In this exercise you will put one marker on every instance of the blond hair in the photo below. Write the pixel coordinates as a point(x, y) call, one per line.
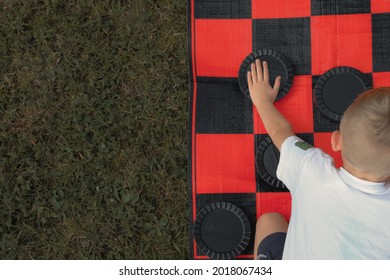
point(365, 132)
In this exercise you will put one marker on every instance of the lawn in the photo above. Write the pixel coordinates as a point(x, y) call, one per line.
point(93, 129)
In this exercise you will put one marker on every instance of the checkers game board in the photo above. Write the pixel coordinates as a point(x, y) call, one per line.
point(231, 159)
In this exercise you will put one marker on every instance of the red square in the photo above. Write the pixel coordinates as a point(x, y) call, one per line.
point(280, 8)
point(273, 202)
point(296, 106)
point(342, 40)
point(221, 46)
point(225, 163)
point(323, 141)
point(380, 6)
point(381, 79)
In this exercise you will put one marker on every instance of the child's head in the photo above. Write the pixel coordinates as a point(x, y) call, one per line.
point(365, 133)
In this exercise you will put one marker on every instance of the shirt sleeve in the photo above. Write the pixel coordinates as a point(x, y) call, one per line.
point(297, 158)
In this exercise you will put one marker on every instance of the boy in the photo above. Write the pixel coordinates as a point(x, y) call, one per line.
point(336, 213)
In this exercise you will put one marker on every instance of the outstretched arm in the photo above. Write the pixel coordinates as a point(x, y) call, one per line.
point(263, 96)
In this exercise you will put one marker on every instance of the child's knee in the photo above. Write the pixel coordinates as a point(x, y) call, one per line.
point(270, 217)
point(272, 220)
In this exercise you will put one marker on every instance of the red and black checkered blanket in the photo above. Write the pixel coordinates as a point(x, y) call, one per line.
point(225, 129)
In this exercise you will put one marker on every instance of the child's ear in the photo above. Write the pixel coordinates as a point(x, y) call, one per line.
point(336, 141)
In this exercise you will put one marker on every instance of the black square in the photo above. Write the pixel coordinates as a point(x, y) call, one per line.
point(246, 202)
point(223, 9)
point(291, 36)
point(222, 108)
point(261, 184)
point(322, 123)
point(381, 42)
point(331, 7)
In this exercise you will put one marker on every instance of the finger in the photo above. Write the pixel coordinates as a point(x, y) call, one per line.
point(277, 84)
point(253, 71)
point(259, 70)
point(250, 81)
point(265, 70)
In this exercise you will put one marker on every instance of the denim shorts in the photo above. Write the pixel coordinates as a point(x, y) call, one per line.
point(271, 247)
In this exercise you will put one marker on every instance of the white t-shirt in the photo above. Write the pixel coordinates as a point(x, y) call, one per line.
point(334, 214)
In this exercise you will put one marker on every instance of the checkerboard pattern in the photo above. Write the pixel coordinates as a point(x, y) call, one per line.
point(225, 129)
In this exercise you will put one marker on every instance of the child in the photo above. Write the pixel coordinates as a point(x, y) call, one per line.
point(336, 213)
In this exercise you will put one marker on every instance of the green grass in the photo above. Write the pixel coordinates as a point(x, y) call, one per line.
point(93, 129)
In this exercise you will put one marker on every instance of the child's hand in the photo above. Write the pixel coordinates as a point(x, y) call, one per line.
point(258, 83)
